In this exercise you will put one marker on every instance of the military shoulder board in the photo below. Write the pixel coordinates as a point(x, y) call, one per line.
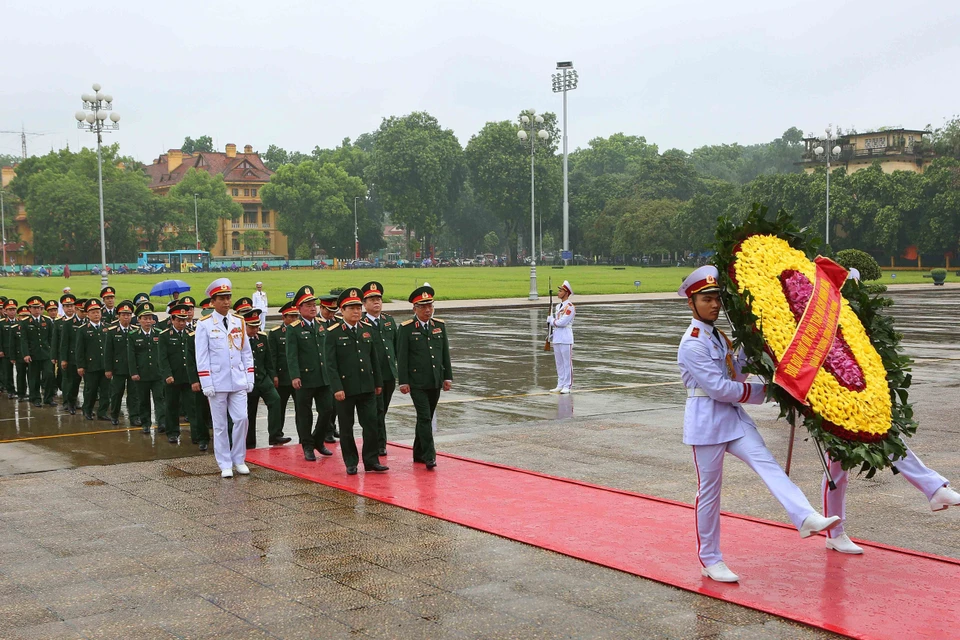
point(406, 322)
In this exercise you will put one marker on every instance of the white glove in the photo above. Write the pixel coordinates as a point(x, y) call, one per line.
point(249, 387)
point(550, 321)
point(209, 392)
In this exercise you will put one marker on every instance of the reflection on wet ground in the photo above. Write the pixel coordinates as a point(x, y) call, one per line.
point(624, 363)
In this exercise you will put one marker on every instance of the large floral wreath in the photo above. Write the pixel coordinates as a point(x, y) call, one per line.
point(857, 402)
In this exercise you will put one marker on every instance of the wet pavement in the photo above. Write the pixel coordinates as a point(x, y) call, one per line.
point(161, 547)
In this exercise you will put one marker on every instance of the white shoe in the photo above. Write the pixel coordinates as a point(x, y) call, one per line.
point(943, 498)
point(815, 523)
point(555, 389)
point(243, 469)
point(565, 390)
point(843, 544)
point(226, 473)
point(719, 572)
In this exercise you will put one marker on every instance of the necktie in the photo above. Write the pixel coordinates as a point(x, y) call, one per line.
point(716, 334)
point(224, 322)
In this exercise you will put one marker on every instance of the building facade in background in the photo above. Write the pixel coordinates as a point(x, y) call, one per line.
point(15, 215)
point(895, 149)
point(244, 174)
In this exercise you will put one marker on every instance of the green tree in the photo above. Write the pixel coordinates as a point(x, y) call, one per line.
point(946, 139)
point(646, 228)
point(696, 222)
point(417, 171)
point(8, 160)
point(491, 242)
point(315, 204)
point(213, 206)
point(203, 143)
point(275, 157)
point(253, 241)
point(64, 214)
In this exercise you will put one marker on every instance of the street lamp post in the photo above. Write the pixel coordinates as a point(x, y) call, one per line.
point(356, 231)
point(825, 152)
point(196, 219)
point(95, 121)
point(565, 81)
point(531, 120)
point(3, 226)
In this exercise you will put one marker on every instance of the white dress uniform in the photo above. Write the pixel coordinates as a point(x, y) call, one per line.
point(714, 424)
point(260, 302)
point(225, 369)
point(561, 320)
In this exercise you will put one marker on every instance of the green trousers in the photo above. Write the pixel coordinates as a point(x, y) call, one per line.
point(365, 406)
point(425, 402)
point(21, 378)
point(304, 401)
point(271, 398)
point(119, 383)
point(41, 374)
point(71, 385)
point(285, 391)
point(383, 405)
point(6, 375)
point(144, 391)
point(179, 401)
point(95, 386)
point(200, 420)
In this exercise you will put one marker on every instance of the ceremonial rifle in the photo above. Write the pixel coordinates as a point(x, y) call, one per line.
point(546, 345)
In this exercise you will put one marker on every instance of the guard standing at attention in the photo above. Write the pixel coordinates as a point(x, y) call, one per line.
point(90, 361)
point(118, 367)
point(561, 320)
point(308, 372)
point(175, 370)
point(423, 369)
point(225, 368)
point(263, 387)
point(384, 328)
point(277, 338)
point(143, 357)
point(354, 373)
point(35, 345)
point(715, 424)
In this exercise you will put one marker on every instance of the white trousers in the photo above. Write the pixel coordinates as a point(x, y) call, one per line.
point(708, 459)
point(563, 355)
point(912, 468)
point(236, 403)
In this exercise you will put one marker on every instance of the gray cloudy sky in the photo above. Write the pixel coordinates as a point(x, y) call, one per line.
point(305, 73)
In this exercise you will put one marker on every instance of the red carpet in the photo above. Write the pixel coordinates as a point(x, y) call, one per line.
point(885, 593)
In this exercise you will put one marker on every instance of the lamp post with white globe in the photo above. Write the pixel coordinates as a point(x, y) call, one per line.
point(530, 120)
point(825, 152)
point(94, 119)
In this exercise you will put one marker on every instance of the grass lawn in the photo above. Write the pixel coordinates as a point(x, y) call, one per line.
point(451, 283)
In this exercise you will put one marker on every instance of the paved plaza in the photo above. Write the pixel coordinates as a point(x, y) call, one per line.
point(120, 535)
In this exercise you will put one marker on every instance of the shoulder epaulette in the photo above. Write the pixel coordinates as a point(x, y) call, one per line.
point(235, 314)
point(261, 333)
point(276, 327)
point(295, 324)
point(206, 317)
point(438, 320)
point(366, 322)
point(191, 333)
point(60, 316)
point(111, 328)
point(164, 331)
point(406, 322)
point(333, 326)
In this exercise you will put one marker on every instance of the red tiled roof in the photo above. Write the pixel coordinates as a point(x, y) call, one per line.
point(245, 167)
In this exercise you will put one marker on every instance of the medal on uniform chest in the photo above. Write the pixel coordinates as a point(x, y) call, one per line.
point(235, 337)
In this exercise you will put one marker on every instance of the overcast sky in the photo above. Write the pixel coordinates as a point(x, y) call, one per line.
point(304, 73)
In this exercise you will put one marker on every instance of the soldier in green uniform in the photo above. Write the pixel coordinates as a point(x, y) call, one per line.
point(109, 314)
point(118, 367)
point(9, 357)
point(90, 362)
point(242, 305)
point(384, 328)
point(64, 333)
point(175, 370)
point(138, 300)
point(5, 382)
point(307, 372)
point(143, 357)
point(200, 420)
point(13, 349)
point(277, 339)
point(264, 375)
point(423, 369)
point(191, 305)
point(35, 345)
point(327, 419)
point(354, 373)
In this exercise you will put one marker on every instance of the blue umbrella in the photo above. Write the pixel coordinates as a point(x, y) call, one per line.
point(169, 287)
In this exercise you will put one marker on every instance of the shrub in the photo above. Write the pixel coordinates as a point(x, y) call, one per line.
point(861, 261)
point(938, 273)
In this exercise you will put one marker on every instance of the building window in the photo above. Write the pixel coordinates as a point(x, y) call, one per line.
point(246, 192)
point(236, 241)
point(236, 192)
point(875, 143)
point(253, 192)
point(265, 217)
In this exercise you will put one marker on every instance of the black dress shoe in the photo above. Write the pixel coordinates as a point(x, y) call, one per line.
point(11, 396)
point(329, 439)
point(351, 471)
point(50, 404)
point(203, 446)
point(37, 404)
point(416, 460)
point(309, 455)
point(161, 429)
point(377, 467)
point(114, 421)
point(87, 416)
point(23, 399)
point(72, 410)
point(431, 464)
point(173, 439)
point(146, 429)
point(324, 451)
point(137, 422)
point(104, 418)
point(280, 440)
point(382, 452)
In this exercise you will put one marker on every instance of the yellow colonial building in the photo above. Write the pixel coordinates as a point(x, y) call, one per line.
point(18, 250)
point(244, 174)
point(895, 149)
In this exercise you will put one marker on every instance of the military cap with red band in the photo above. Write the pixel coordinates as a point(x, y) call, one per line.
point(220, 287)
point(51, 304)
point(702, 280)
point(10, 304)
point(34, 301)
point(107, 291)
point(422, 295)
point(289, 309)
point(305, 294)
point(68, 298)
point(371, 289)
point(125, 306)
point(92, 304)
point(243, 304)
point(181, 311)
point(251, 317)
point(349, 297)
point(329, 302)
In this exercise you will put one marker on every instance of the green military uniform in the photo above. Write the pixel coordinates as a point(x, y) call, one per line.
point(6, 368)
point(327, 418)
point(423, 362)
point(36, 342)
point(115, 356)
point(354, 369)
point(305, 361)
point(64, 334)
point(384, 329)
point(108, 316)
point(90, 356)
point(200, 421)
point(12, 347)
point(263, 375)
point(277, 339)
point(143, 357)
point(174, 363)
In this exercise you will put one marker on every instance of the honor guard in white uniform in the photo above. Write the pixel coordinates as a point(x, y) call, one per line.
point(561, 320)
point(225, 369)
point(715, 424)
